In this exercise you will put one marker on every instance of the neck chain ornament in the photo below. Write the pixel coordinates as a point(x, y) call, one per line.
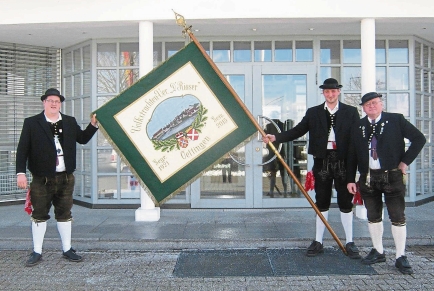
point(382, 125)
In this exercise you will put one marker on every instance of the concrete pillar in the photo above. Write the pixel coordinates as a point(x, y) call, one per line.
point(147, 210)
point(369, 78)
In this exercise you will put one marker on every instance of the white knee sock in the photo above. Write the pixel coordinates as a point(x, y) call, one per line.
point(376, 230)
point(64, 229)
point(38, 233)
point(399, 234)
point(347, 223)
point(320, 226)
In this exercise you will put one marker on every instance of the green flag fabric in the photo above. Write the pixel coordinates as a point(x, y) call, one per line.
point(174, 123)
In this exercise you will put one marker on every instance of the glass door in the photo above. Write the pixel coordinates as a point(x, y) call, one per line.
point(281, 93)
point(228, 183)
point(251, 177)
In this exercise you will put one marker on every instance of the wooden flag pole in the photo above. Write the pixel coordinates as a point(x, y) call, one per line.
point(187, 31)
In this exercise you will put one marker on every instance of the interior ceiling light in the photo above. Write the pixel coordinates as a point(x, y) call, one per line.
point(311, 28)
point(254, 29)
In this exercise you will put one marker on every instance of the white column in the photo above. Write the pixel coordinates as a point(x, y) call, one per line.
point(147, 211)
point(369, 78)
point(368, 55)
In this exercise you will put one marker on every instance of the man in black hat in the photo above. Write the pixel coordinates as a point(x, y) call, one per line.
point(47, 147)
point(329, 126)
point(377, 149)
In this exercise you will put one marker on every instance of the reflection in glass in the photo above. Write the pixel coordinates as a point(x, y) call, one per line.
point(221, 51)
point(106, 55)
point(283, 51)
point(398, 103)
point(107, 187)
point(238, 84)
point(157, 57)
point(205, 46)
point(380, 73)
point(172, 48)
point(130, 187)
point(227, 177)
point(380, 51)
point(352, 78)
point(106, 81)
point(352, 52)
point(262, 51)
point(129, 54)
point(330, 52)
point(398, 52)
point(330, 72)
point(398, 78)
point(127, 78)
point(107, 161)
point(242, 51)
point(284, 101)
point(303, 51)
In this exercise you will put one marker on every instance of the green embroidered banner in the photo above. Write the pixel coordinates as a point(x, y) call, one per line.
point(174, 123)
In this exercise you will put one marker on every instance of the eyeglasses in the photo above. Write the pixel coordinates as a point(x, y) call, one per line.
point(372, 103)
point(53, 101)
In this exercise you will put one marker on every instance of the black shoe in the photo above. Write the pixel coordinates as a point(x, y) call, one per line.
point(34, 259)
point(72, 256)
point(403, 265)
point(352, 251)
point(314, 249)
point(374, 257)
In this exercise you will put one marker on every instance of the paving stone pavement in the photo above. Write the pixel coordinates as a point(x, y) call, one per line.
point(153, 270)
point(122, 254)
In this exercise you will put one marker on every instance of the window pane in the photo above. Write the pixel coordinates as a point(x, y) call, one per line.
point(380, 73)
point(77, 60)
point(172, 48)
point(127, 78)
point(398, 78)
point(398, 52)
point(354, 100)
point(67, 62)
point(352, 78)
point(238, 83)
point(425, 81)
point(206, 46)
point(221, 51)
point(86, 58)
point(106, 80)
point(330, 72)
point(262, 51)
point(106, 55)
point(129, 54)
point(425, 60)
point(398, 103)
point(352, 52)
point(330, 52)
point(283, 51)
point(417, 53)
point(87, 86)
point(158, 54)
point(380, 51)
point(242, 51)
point(303, 51)
point(77, 85)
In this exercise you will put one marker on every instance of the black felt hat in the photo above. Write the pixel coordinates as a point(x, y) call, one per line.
point(369, 96)
point(52, 92)
point(330, 83)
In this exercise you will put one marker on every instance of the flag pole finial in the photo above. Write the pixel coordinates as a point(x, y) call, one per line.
point(180, 20)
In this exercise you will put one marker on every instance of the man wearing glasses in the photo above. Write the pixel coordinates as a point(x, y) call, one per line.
point(47, 147)
point(378, 151)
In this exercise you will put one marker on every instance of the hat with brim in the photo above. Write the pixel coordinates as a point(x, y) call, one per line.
point(369, 96)
point(330, 83)
point(52, 92)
